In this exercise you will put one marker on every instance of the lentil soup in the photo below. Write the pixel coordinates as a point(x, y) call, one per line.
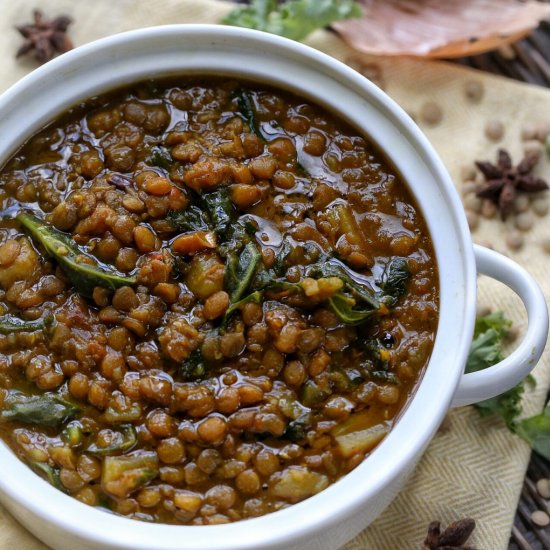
point(215, 299)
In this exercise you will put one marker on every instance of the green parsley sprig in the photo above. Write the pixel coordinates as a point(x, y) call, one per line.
point(486, 351)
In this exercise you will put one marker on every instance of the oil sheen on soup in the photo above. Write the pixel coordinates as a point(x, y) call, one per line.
point(215, 299)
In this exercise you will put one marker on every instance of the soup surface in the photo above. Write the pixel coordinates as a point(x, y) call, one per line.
point(215, 298)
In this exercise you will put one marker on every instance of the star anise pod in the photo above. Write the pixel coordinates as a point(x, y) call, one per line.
point(47, 38)
point(504, 180)
point(452, 538)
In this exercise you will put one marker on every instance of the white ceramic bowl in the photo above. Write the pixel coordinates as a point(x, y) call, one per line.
point(334, 516)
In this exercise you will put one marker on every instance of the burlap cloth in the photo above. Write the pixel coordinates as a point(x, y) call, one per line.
point(474, 467)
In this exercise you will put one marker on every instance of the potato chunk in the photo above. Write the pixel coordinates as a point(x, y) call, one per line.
point(205, 275)
point(362, 441)
point(296, 483)
point(122, 475)
point(25, 267)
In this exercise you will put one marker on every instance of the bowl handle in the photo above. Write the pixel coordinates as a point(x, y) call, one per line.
point(478, 386)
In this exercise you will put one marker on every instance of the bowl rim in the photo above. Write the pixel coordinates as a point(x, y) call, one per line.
point(346, 498)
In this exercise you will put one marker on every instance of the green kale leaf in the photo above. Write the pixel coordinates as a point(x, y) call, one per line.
point(41, 410)
point(194, 368)
point(241, 270)
point(221, 211)
point(495, 321)
point(84, 275)
point(51, 475)
point(190, 219)
point(359, 288)
point(536, 431)
point(343, 306)
point(9, 324)
point(294, 19)
point(160, 157)
point(254, 298)
point(245, 104)
point(394, 281)
point(486, 349)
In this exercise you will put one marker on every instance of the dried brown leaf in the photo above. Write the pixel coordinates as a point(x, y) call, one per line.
point(432, 28)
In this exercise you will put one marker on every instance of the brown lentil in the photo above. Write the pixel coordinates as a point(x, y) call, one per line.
point(216, 305)
point(431, 113)
point(212, 430)
point(315, 143)
point(248, 482)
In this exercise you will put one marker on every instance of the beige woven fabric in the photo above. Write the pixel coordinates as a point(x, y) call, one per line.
point(473, 467)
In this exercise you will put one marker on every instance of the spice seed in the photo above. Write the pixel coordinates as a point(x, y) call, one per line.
point(431, 113)
point(540, 518)
point(514, 240)
point(473, 219)
point(474, 91)
point(543, 129)
point(486, 244)
point(543, 487)
point(504, 180)
point(46, 38)
point(480, 178)
point(488, 209)
point(545, 243)
point(529, 132)
point(494, 130)
point(467, 172)
point(469, 187)
point(482, 310)
point(524, 221)
point(471, 202)
point(533, 148)
point(512, 334)
point(540, 206)
point(521, 203)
